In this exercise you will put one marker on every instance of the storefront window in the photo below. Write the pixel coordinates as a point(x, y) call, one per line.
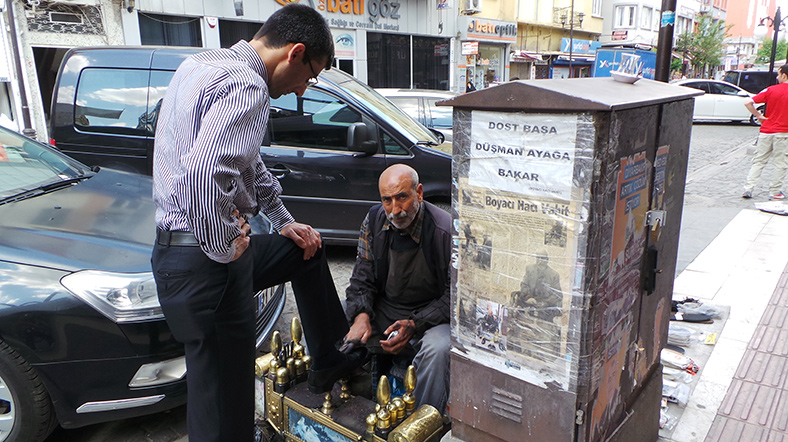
point(486, 67)
point(431, 63)
point(388, 60)
point(230, 31)
point(170, 30)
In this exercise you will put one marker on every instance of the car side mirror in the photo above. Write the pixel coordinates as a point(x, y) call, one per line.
point(358, 140)
point(441, 137)
point(742, 94)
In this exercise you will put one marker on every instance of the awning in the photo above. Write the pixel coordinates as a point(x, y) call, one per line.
point(524, 56)
point(580, 60)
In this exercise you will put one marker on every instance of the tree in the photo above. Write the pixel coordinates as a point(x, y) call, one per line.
point(705, 47)
point(765, 52)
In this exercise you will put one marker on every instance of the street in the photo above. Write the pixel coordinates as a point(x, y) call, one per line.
point(718, 163)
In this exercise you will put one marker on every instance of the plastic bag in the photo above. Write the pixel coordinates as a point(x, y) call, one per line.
point(676, 392)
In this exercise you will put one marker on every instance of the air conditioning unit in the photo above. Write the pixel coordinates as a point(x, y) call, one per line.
point(472, 7)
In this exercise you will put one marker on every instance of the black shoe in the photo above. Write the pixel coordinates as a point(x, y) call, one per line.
point(321, 381)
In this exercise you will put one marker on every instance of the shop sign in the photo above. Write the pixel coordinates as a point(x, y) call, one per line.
point(344, 43)
point(485, 29)
point(442, 50)
point(619, 35)
point(580, 46)
point(362, 14)
point(470, 47)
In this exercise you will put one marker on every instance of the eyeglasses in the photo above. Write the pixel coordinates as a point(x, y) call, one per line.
point(313, 79)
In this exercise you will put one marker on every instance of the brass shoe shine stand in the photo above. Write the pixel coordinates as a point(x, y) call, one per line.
point(338, 416)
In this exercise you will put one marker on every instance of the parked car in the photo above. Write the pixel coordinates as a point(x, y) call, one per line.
point(721, 101)
point(82, 336)
point(327, 148)
point(751, 80)
point(420, 104)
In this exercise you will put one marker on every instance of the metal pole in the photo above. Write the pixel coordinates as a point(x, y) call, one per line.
point(20, 73)
point(571, 32)
point(665, 42)
point(776, 26)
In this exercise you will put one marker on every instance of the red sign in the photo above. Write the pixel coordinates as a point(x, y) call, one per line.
point(620, 35)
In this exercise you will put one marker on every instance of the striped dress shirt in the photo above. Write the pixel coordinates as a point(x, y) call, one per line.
point(206, 161)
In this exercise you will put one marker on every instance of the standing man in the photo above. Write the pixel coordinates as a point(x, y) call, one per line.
point(400, 282)
point(773, 139)
point(208, 181)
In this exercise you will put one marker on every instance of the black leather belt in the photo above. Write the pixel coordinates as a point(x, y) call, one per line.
point(176, 238)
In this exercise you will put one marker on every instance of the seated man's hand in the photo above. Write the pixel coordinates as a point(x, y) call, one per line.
point(406, 329)
point(360, 330)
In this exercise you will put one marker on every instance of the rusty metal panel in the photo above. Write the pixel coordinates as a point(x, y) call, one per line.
point(507, 408)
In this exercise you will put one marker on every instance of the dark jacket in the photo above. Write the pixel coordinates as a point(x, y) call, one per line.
point(369, 276)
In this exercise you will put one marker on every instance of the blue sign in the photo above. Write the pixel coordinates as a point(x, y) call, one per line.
point(610, 59)
point(668, 18)
point(580, 46)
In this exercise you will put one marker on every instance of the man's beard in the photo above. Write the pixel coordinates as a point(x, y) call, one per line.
point(404, 219)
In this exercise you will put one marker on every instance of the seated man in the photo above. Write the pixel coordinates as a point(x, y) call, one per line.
point(400, 281)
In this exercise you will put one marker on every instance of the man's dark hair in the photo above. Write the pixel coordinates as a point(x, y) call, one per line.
point(297, 23)
point(784, 69)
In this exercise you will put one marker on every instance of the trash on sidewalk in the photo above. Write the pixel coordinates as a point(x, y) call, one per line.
point(675, 359)
point(675, 392)
point(675, 374)
point(776, 207)
point(692, 306)
point(678, 335)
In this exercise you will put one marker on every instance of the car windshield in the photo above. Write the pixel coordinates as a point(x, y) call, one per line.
point(26, 165)
point(382, 106)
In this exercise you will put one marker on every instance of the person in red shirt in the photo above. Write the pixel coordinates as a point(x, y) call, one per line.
point(773, 138)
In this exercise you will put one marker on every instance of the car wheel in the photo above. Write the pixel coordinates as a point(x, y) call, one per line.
point(25, 409)
point(442, 205)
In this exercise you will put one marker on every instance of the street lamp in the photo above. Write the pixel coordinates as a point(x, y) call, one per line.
point(760, 32)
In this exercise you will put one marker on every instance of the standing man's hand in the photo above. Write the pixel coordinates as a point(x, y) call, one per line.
point(241, 241)
point(750, 105)
point(406, 328)
point(304, 236)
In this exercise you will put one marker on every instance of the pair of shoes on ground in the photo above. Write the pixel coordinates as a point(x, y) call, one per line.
point(321, 381)
point(779, 196)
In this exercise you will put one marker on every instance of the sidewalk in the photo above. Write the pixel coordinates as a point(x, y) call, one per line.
point(742, 392)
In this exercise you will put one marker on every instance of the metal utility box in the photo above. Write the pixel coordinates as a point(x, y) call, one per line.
point(567, 198)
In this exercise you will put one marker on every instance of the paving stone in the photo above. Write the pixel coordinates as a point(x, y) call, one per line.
point(731, 430)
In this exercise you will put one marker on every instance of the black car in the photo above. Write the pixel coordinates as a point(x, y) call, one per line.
point(752, 81)
point(327, 148)
point(82, 336)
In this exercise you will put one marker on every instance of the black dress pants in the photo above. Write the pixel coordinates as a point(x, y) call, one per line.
point(210, 308)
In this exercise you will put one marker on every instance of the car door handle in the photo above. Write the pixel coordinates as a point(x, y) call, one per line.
point(279, 171)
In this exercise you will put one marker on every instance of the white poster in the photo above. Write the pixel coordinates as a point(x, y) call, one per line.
point(530, 154)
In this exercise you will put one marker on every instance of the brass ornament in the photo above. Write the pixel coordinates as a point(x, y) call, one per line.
point(384, 391)
point(410, 385)
point(262, 364)
point(419, 426)
point(328, 407)
point(307, 361)
point(400, 404)
point(296, 334)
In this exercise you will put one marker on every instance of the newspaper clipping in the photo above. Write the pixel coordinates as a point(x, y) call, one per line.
point(517, 246)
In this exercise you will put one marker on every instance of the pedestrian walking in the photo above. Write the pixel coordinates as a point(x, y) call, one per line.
point(773, 137)
point(208, 181)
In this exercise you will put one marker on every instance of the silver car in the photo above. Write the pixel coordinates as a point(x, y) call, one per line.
point(420, 104)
